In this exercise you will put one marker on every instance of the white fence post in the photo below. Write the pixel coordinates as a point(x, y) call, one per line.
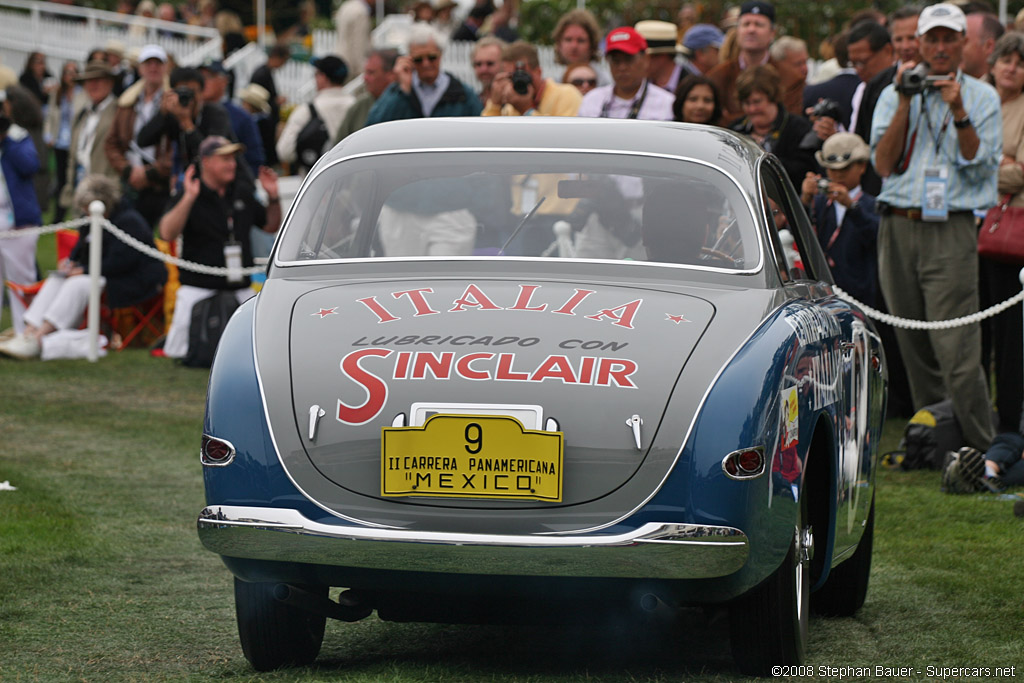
point(96, 211)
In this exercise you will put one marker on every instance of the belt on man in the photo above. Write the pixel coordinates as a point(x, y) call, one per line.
point(913, 214)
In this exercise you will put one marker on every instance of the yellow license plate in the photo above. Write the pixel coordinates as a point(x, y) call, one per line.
point(472, 456)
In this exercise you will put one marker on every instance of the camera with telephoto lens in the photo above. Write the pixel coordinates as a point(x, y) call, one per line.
point(521, 79)
point(185, 95)
point(917, 80)
point(829, 108)
point(823, 185)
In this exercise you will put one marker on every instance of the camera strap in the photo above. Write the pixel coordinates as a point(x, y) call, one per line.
point(928, 122)
point(634, 110)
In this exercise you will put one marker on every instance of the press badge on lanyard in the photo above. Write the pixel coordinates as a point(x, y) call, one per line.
point(233, 254)
point(934, 206)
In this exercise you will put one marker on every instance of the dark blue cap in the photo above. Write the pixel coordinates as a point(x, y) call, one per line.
point(758, 7)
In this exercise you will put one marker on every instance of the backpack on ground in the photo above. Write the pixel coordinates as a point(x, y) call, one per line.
point(209, 318)
point(312, 139)
point(931, 433)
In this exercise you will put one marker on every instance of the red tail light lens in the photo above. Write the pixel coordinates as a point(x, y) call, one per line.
point(745, 464)
point(216, 452)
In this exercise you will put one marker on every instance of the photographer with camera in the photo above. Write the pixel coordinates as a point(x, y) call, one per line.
point(938, 162)
point(519, 89)
point(184, 120)
point(844, 216)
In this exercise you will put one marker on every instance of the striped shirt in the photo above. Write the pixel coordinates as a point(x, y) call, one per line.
point(972, 183)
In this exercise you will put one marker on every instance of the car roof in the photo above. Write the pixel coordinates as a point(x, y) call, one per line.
point(715, 146)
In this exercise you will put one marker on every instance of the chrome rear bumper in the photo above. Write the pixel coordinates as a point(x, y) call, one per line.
point(653, 551)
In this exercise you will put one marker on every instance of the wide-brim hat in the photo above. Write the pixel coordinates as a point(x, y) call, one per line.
point(97, 68)
point(218, 145)
point(256, 96)
point(841, 150)
point(661, 36)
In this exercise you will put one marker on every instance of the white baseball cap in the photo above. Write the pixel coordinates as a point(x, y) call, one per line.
point(945, 15)
point(152, 52)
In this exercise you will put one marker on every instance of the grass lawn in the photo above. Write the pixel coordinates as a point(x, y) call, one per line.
point(102, 576)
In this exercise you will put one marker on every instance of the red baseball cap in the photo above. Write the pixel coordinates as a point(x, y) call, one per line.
point(625, 39)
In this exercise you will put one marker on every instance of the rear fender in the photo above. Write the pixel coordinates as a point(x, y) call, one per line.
point(235, 413)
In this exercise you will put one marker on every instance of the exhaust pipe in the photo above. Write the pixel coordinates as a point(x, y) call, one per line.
point(348, 607)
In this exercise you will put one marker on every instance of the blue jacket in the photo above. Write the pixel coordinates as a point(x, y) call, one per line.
point(19, 162)
point(244, 125)
point(393, 104)
point(853, 254)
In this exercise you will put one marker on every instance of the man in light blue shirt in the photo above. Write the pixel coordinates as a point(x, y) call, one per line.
point(937, 151)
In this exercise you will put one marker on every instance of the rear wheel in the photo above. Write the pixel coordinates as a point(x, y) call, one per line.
point(768, 626)
point(847, 585)
point(272, 633)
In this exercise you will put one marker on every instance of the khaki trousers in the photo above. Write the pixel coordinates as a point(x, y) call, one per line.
point(929, 271)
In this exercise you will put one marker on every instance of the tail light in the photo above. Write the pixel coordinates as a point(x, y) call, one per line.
point(216, 452)
point(744, 464)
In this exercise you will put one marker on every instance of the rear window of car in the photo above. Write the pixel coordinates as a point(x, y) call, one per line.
point(494, 204)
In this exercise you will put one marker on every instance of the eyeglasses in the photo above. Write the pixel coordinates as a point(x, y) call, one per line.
point(835, 158)
point(477, 65)
point(430, 58)
point(580, 82)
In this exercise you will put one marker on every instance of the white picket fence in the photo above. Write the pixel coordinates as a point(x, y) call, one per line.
point(67, 32)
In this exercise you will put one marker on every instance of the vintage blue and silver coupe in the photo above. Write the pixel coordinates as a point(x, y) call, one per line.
point(506, 362)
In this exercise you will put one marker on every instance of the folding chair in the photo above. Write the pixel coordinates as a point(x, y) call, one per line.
point(24, 293)
point(142, 322)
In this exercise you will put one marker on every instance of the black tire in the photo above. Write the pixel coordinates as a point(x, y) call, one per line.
point(768, 626)
point(272, 633)
point(847, 585)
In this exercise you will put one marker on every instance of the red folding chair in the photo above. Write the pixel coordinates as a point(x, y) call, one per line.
point(142, 322)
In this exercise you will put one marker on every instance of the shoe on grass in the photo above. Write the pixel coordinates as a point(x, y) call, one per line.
point(21, 346)
point(964, 471)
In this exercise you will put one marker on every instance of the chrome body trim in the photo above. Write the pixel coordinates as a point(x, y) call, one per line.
point(653, 551)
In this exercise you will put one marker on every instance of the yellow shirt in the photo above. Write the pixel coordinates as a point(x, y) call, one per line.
point(559, 99)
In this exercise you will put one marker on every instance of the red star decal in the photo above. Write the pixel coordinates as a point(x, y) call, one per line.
point(324, 312)
point(677, 318)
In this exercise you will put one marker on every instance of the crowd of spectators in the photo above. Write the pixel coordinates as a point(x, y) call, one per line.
point(894, 180)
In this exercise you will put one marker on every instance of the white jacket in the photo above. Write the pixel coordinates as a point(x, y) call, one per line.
point(331, 104)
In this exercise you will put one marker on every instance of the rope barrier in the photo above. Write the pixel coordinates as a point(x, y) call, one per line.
point(203, 269)
point(44, 229)
point(132, 242)
point(909, 324)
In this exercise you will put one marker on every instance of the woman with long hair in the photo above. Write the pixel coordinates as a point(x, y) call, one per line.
point(63, 102)
point(35, 77)
point(697, 101)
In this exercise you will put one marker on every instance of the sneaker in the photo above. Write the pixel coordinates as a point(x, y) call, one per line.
point(964, 471)
point(9, 333)
point(22, 346)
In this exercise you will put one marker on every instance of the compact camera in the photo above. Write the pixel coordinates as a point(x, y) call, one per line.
point(823, 185)
point(521, 79)
point(185, 95)
point(829, 108)
point(917, 80)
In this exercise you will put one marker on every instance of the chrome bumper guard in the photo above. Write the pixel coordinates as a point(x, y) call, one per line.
point(653, 551)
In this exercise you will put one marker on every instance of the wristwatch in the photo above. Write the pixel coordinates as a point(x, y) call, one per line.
point(963, 123)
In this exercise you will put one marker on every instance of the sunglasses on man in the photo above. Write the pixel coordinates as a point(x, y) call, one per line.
point(419, 59)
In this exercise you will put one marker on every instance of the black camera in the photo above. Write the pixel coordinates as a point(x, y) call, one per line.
point(917, 80)
point(829, 108)
point(521, 79)
point(185, 95)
